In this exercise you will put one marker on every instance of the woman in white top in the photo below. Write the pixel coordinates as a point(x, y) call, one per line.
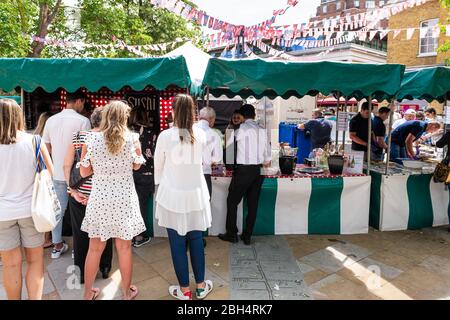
point(182, 199)
point(17, 230)
point(113, 207)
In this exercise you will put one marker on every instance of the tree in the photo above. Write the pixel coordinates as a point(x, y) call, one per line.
point(135, 22)
point(446, 46)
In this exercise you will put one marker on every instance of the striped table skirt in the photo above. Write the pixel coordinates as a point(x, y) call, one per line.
point(338, 205)
point(407, 202)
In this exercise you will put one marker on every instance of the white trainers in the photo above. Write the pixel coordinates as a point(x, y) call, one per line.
point(175, 291)
point(202, 293)
point(56, 254)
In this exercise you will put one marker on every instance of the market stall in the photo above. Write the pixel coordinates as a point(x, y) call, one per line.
point(406, 198)
point(308, 203)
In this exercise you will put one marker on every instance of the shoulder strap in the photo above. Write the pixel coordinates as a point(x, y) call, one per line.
point(37, 140)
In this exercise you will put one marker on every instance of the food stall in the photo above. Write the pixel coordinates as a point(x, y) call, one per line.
point(300, 203)
point(405, 196)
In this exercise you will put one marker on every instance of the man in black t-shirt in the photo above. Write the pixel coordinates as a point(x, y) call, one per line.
point(359, 129)
point(379, 133)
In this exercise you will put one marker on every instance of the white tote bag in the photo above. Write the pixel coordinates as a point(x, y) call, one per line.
point(45, 207)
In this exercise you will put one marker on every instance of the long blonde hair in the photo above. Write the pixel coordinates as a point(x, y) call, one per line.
point(184, 116)
point(114, 125)
point(41, 123)
point(11, 121)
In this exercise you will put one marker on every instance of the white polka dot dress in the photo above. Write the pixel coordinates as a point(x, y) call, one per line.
point(113, 208)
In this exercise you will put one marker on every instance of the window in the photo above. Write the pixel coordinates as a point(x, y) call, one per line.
point(356, 3)
point(428, 37)
point(381, 3)
point(370, 4)
point(324, 9)
point(338, 6)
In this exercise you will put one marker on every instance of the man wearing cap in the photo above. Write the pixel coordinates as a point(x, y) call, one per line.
point(253, 152)
point(410, 114)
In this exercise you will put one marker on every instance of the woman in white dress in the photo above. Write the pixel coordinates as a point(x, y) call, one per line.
point(113, 207)
point(182, 198)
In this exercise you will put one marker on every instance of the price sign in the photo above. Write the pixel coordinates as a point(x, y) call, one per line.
point(147, 103)
point(447, 115)
point(342, 121)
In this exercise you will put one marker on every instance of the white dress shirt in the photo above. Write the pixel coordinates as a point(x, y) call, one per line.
point(212, 153)
point(58, 132)
point(182, 197)
point(252, 144)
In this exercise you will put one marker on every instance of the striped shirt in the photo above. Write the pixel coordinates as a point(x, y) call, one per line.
point(78, 142)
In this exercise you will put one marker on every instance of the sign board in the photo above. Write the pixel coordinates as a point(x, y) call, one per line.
point(447, 115)
point(355, 162)
point(342, 121)
point(148, 103)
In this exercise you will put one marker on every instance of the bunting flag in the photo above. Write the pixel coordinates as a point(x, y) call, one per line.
point(410, 33)
point(397, 32)
point(447, 32)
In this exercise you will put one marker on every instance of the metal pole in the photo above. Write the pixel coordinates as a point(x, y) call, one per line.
point(207, 96)
point(391, 120)
point(369, 140)
point(338, 97)
point(22, 98)
point(343, 134)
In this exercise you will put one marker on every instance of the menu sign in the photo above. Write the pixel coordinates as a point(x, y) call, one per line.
point(148, 103)
point(342, 121)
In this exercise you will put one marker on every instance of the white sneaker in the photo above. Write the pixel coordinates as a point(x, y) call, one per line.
point(175, 291)
point(56, 254)
point(202, 293)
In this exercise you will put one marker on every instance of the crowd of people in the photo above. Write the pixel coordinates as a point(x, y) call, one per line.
point(122, 162)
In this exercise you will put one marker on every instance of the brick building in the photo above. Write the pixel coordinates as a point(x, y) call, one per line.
point(333, 8)
point(421, 49)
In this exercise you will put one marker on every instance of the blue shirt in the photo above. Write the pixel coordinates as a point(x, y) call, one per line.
point(320, 132)
point(379, 130)
point(414, 127)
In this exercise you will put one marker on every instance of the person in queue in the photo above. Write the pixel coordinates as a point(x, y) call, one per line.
point(58, 133)
point(78, 201)
point(144, 177)
point(253, 152)
point(230, 149)
point(409, 115)
point(430, 114)
point(420, 115)
point(379, 133)
point(359, 129)
point(113, 211)
point(17, 229)
point(182, 198)
point(320, 130)
point(406, 134)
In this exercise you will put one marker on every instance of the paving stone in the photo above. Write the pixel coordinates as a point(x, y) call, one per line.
point(249, 295)
point(247, 284)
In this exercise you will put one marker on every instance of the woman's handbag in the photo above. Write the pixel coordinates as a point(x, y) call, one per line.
point(76, 180)
point(45, 207)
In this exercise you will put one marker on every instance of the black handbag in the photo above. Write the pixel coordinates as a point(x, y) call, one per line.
point(76, 180)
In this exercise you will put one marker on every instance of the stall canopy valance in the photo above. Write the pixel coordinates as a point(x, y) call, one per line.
point(426, 84)
point(93, 74)
point(259, 78)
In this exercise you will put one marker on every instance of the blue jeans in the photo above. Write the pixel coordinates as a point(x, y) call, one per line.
point(63, 197)
point(397, 152)
point(180, 259)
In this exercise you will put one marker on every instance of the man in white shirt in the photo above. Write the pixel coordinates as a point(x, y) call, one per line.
point(212, 153)
point(410, 114)
point(253, 152)
point(57, 136)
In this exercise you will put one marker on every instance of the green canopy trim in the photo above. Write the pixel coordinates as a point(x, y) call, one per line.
point(17, 98)
point(93, 74)
point(261, 78)
point(426, 84)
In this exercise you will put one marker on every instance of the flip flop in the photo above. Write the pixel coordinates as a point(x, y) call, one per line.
point(134, 292)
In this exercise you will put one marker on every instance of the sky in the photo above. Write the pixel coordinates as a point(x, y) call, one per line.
point(249, 12)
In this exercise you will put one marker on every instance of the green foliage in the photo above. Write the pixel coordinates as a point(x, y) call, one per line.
point(446, 46)
point(135, 22)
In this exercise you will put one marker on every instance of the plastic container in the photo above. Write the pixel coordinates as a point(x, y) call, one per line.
point(287, 164)
point(336, 164)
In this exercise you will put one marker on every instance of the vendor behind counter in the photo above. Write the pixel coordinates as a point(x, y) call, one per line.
point(319, 128)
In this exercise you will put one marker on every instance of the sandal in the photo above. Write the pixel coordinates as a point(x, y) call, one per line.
point(96, 293)
point(201, 293)
point(134, 292)
point(175, 291)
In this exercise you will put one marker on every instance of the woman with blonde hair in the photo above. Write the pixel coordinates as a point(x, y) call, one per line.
point(112, 211)
point(17, 230)
point(182, 198)
point(41, 123)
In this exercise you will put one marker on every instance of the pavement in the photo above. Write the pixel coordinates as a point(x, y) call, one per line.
point(379, 265)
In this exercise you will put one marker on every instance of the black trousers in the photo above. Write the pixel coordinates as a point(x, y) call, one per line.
point(209, 183)
point(247, 181)
point(145, 187)
point(81, 238)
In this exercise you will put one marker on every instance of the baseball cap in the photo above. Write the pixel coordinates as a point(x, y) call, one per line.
point(410, 111)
